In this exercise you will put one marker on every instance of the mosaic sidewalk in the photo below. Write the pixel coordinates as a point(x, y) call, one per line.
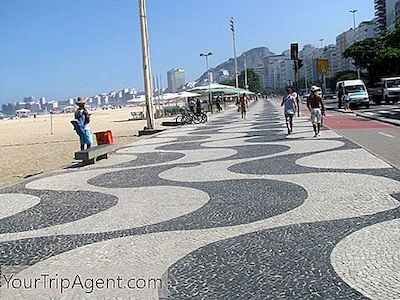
point(233, 209)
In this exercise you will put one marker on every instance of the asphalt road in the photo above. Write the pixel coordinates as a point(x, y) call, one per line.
point(382, 139)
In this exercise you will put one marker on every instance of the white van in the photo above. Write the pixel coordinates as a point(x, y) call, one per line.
point(355, 92)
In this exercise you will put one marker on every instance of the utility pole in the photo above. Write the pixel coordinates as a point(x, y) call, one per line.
point(321, 40)
point(146, 66)
point(354, 17)
point(246, 85)
point(232, 25)
point(294, 55)
point(206, 55)
point(305, 76)
point(162, 96)
point(354, 28)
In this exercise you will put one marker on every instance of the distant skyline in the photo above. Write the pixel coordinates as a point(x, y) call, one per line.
point(65, 48)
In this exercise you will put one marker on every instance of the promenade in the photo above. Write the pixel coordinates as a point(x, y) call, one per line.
point(232, 209)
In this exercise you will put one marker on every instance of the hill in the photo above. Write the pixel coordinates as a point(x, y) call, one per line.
point(254, 57)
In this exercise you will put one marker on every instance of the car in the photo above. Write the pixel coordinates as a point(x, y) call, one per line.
point(355, 92)
point(329, 95)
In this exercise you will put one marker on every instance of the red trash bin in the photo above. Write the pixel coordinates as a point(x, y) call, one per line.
point(104, 137)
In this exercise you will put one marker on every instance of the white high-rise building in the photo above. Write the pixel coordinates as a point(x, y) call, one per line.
point(385, 14)
point(176, 79)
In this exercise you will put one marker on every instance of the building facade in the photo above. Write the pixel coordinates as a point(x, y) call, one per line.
point(176, 79)
point(380, 16)
point(387, 14)
point(391, 13)
point(397, 11)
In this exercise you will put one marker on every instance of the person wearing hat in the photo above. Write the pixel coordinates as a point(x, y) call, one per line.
point(81, 124)
point(317, 109)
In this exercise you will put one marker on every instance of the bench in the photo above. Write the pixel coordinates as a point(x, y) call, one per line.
point(89, 156)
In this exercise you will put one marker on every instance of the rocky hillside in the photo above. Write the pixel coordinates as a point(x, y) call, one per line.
point(254, 57)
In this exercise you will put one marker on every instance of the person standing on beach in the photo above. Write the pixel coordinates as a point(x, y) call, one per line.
point(317, 109)
point(81, 124)
point(290, 108)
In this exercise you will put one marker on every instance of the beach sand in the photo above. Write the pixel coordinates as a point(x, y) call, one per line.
point(27, 146)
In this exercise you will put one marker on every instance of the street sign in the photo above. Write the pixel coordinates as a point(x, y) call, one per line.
point(323, 66)
point(294, 51)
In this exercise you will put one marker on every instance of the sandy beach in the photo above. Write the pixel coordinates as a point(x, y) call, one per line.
point(28, 147)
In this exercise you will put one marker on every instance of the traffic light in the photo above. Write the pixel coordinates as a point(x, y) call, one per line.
point(294, 51)
point(300, 63)
point(232, 24)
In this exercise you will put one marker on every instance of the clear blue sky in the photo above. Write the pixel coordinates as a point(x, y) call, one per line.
point(65, 48)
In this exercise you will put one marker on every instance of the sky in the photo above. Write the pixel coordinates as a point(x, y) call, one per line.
point(65, 48)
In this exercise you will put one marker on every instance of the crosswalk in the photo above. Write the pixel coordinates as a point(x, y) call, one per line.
point(392, 112)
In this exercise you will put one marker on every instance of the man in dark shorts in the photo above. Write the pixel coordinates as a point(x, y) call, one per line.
point(317, 109)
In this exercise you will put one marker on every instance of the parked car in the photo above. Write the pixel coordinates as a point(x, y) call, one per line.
point(388, 90)
point(329, 95)
point(355, 92)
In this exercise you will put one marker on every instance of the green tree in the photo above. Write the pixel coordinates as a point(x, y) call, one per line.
point(253, 80)
point(379, 56)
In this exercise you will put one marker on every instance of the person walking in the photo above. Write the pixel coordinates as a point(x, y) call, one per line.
point(218, 103)
point(290, 108)
point(81, 124)
point(340, 95)
point(243, 105)
point(317, 109)
point(191, 104)
point(198, 107)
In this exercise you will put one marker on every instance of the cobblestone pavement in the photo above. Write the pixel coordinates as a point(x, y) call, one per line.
point(233, 209)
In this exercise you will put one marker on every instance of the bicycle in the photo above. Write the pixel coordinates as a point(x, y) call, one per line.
point(189, 117)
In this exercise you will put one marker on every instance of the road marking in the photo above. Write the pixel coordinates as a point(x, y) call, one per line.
point(388, 135)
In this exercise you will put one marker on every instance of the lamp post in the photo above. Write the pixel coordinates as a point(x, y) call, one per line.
point(322, 40)
point(246, 85)
point(206, 55)
point(354, 28)
point(146, 65)
point(354, 17)
point(232, 25)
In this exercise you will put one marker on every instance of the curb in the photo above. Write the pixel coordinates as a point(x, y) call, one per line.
point(383, 120)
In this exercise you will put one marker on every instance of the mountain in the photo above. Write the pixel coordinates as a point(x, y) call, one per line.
point(254, 58)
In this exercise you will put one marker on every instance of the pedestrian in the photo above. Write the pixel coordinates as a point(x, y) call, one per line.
point(340, 95)
point(290, 108)
point(218, 103)
point(192, 104)
point(346, 99)
point(81, 124)
point(243, 105)
point(317, 109)
point(198, 106)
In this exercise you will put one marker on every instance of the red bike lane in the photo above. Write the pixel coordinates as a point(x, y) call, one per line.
point(379, 138)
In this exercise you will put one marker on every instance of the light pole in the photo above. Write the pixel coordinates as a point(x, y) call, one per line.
point(354, 17)
point(206, 55)
point(354, 28)
point(146, 66)
point(322, 40)
point(246, 85)
point(232, 24)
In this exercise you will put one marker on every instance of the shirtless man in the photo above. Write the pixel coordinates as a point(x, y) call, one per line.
point(317, 109)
